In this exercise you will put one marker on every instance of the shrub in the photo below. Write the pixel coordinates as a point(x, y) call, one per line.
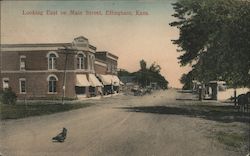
point(8, 97)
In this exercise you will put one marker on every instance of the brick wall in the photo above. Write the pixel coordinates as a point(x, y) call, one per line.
point(35, 60)
point(99, 69)
point(37, 84)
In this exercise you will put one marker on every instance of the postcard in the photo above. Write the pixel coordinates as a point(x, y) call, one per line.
point(122, 78)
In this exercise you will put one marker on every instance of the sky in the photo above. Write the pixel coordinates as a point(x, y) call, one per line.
point(131, 37)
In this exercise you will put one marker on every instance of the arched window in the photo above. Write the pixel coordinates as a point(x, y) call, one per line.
point(89, 62)
point(86, 62)
point(52, 60)
point(52, 79)
point(93, 62)
point(80, 61)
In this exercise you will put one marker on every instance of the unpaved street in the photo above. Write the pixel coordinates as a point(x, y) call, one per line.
point(116, 126)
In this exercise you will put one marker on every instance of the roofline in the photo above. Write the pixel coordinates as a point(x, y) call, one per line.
point(108, 53)
point(40, 45)
point(34, 45)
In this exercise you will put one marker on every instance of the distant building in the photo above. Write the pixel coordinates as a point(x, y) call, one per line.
point(109, 78)
point(38, 70)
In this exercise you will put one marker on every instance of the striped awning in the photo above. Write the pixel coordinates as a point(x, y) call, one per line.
point(94, 82)
point(110, 80)
point(106, 79)
point(81, 80)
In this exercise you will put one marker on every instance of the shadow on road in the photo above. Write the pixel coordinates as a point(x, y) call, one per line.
point(225, 114)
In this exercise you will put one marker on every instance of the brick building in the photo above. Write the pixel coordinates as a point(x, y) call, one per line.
point(110, 80)
point(54, 70)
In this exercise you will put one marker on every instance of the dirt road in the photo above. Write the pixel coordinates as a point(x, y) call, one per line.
point(116, 126)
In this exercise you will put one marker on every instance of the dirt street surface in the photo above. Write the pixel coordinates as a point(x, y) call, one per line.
point(123, 125)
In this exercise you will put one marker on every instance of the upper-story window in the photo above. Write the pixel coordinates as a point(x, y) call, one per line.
point(5, 83)
point(52, 56)
point(52, 79)
point(115, 69)
point(92, 62)
point(109, 68)
point(81, 61)
point(89, 62)
point(22, 62)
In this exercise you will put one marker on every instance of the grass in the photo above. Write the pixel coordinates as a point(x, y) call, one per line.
point(231, 139)
point(22, 110)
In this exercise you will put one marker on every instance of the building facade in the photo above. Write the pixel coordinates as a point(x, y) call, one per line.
point(52, 70)
point(110, 79)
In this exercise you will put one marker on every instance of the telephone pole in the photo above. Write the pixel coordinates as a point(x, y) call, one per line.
point(66, 51)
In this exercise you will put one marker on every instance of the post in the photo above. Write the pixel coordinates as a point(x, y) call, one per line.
point(235, 97)
point(66, 51)
point(200, 93)
point(64, 77)
point(112, 88)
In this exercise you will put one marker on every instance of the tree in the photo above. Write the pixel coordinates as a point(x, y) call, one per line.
point(155, 68)
point(187, 80)
point(215, 39)
point(143, 65)
point(8, 97)
point(152, 74)
point(123, 72)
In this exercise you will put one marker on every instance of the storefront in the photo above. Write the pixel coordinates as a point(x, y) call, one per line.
point(82, 85)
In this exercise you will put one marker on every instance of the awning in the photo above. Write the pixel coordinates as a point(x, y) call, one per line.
point(81, 80)
point(121, 83)
point(106, 79)
point(110, 79)
point(115, 80)
point(94, 82)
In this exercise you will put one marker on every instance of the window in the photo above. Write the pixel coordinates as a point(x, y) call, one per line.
point(52, 79)
point(93, 62)
point(115, 69)
point(52, 60)
point(86, 62)
point(80, 61)
point(22, 62)
point(22, 84)
point(5, 83)
point(109, 67)
point(112, 68)
point(89, 63)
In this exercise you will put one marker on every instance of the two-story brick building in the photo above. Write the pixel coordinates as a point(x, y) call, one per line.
point(52, 70)
point(110, 80)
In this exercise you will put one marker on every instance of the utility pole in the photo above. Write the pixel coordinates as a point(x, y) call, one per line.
point(66, 51)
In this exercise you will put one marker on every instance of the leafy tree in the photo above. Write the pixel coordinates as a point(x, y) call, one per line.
point(215, 39)
point(152, 74)
point(146, 75)
point(155, 68)
point(186, 80)
point(123, 72)
point(143, 65)
point(8, 97)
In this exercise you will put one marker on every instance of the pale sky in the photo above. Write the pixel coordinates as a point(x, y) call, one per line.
point(130, 37)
